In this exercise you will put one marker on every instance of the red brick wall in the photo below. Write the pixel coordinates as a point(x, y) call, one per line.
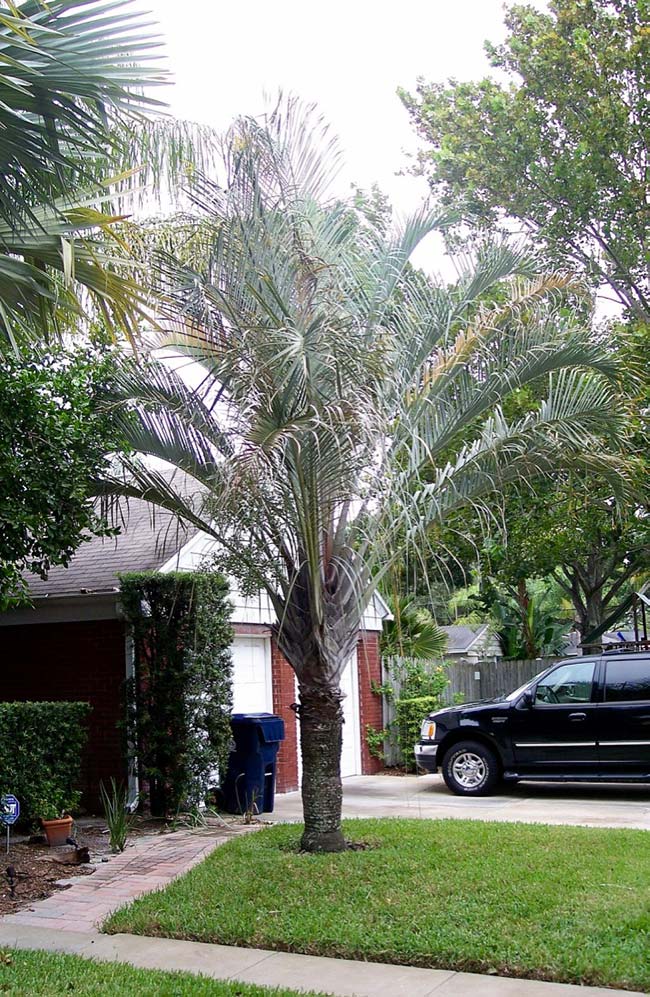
point(73, 661)
point(284, 694)
point(369, 704)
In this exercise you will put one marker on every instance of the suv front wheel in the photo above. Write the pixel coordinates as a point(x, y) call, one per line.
point(470, 769)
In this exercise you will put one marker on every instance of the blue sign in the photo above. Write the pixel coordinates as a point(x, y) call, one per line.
point(9, 809)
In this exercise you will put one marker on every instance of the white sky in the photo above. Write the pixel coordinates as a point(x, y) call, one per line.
point(348, 57)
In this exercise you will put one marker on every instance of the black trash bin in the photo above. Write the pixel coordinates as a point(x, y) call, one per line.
point(249, 784)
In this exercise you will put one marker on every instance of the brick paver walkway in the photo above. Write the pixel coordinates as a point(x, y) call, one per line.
point(149, 863)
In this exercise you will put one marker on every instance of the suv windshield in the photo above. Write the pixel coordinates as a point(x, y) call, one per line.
point(514, 695)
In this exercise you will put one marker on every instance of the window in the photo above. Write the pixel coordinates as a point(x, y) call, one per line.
point(627, 680)
point(570, 683)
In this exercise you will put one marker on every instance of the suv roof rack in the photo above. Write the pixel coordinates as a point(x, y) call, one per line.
point(626, 646)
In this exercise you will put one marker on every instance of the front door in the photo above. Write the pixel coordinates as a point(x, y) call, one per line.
point(624, 729)
point(557, 734)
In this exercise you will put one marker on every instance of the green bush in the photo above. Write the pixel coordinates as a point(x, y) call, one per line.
point(420, 678)
point(409, 714)
point(180, 696)
point(41, 745)
point(408, 680)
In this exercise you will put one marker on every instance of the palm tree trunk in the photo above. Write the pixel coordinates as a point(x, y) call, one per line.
point(321, 738)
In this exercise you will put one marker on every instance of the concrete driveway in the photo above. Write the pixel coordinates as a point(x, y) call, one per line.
point(542, 803)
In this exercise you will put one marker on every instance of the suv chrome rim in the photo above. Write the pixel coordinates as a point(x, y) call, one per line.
point(469, 770)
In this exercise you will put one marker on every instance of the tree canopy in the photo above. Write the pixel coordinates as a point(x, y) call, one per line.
point(561, 147)
point(53, 441)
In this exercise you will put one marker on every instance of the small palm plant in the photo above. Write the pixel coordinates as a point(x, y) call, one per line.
point(333, 383)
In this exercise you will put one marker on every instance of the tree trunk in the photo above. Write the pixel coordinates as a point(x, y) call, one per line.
point(590, 618)
point(523, 600)
point(321, 738)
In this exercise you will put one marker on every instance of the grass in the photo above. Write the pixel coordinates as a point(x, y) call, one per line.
point(569, 904)
point(43, 973)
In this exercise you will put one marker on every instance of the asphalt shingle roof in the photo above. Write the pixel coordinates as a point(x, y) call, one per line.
point(460, 638)
point(148, 538)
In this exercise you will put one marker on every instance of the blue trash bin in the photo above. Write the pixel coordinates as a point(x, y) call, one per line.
point(249, 784)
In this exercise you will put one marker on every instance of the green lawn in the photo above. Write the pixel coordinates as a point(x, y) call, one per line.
point(37, 974)
point(557, 903)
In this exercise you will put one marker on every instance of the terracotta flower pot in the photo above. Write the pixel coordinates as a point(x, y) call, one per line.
point(56, 831)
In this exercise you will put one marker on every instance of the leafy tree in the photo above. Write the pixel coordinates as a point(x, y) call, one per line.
point(53, 442)
point(572, 529)
point(332, 375)
point(530, 619)
point(561, 148)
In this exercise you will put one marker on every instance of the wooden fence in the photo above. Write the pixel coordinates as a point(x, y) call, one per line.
point(468, 682)
point(490, 678)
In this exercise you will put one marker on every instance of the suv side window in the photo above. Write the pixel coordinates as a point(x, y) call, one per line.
point(627, 680)
point(568, 683)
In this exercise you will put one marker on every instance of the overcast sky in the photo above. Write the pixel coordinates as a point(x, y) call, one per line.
point(348, 57)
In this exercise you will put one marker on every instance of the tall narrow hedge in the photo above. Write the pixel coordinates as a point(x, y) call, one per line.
point(180, 697)
point(41, 745)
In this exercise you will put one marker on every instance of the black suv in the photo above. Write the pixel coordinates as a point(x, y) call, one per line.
point(583, 719)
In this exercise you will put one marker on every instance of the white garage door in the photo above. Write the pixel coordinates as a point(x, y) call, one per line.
point(252, 686)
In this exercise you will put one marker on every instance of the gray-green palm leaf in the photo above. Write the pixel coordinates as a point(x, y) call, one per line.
point(331, 384)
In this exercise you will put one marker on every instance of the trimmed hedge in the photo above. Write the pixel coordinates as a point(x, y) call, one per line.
point(41, 745)
point(409, 714)
point(180, 696)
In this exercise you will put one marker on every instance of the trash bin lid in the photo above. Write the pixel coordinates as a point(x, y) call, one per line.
point(269, 726)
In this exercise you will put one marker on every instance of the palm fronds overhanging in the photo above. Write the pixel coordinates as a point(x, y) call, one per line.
point(342, 402)
point(77, 79)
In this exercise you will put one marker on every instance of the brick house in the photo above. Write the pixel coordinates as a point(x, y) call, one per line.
point(71, 644)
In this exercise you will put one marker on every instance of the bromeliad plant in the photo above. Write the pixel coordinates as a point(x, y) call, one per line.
point(333, 382)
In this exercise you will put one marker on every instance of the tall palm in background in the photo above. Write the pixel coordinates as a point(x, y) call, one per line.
point(328, 383)
point(75, 122)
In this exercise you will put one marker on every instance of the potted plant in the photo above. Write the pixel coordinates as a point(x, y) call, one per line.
point(55, 819)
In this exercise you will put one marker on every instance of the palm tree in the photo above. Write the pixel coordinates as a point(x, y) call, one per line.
point(330, 383)
point(75, 120)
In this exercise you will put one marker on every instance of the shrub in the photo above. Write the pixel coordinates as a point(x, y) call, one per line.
point(41, 745)
point(420, 678)
point(409, 680)
point(409, 714)
point(179, 700)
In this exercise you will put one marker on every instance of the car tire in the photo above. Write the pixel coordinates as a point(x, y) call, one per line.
point(470, 768)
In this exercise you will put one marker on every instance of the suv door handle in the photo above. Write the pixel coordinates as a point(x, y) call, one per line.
point(577, 716)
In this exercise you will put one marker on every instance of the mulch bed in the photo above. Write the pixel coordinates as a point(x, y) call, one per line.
point(38, 867)
point(37, 872)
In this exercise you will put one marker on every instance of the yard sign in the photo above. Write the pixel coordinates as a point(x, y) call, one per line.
point(9, 812)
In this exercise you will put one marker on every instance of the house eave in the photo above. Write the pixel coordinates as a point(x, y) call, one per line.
point(65, 608)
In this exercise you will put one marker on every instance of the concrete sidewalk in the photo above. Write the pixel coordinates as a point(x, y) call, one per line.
point(426, 796)
point(279, 969)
